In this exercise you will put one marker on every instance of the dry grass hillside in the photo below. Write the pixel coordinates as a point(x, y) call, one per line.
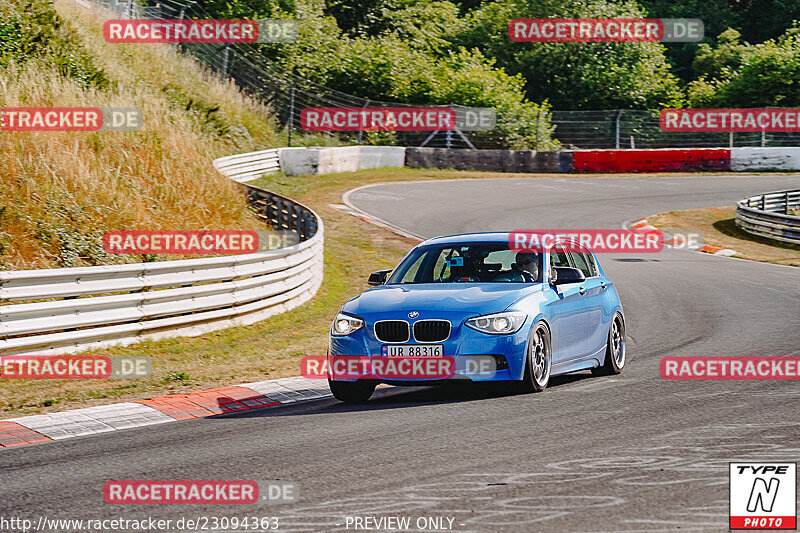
point(60, 191)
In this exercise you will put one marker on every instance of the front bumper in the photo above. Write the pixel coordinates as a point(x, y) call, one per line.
point(462, 343)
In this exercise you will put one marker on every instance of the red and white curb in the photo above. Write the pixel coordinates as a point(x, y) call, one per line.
point(347, 207)
point(161, 410)
point(372, 220)
point(644, 226)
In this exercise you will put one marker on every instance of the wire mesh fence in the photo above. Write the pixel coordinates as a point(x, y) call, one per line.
point(288, 94)
point(625, 128)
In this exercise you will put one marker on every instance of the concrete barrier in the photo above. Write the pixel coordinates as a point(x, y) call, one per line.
point(778, 158)
point(332, 160)
point(489, 160)
point(656, 160)
point(298, 161)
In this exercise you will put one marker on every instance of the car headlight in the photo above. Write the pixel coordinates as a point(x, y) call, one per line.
point(498, 323)
point(345, 325)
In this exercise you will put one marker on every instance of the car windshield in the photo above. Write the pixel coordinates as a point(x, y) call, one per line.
point(464, 262)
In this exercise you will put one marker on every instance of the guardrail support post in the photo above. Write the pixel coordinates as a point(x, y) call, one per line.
point(184, 8)
point(361, 132)
point(291, 115)
point(225, 53)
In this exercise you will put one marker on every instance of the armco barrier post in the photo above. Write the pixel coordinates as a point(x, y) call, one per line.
point(361, 132)
point(223, 72)
point(291, 115)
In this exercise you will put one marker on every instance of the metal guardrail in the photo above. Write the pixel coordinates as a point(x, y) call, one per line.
point(246, 167)
point(70, 309)
point(767, 215)
point(280, 212)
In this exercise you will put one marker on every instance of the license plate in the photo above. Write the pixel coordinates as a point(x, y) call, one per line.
point(412, 350)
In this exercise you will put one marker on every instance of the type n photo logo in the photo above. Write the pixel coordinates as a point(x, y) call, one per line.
point(763, 496)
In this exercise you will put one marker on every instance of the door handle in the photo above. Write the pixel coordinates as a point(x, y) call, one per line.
point(603, 285)
point(582, 290)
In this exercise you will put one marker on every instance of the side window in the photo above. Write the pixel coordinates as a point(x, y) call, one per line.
point(591, 264)
point(410, 274)
point(583, 263)
point(558, 258)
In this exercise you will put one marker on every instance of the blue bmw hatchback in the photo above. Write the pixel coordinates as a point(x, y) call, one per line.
point(533, 315)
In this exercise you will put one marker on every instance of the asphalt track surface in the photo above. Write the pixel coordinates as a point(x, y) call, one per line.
point(625, 453)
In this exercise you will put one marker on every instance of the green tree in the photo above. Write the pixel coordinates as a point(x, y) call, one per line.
point(724, 60)
point(769, 77)
point(766, 74)
point(419, 23)
point(717, 15)
point(575, 75)
point(762, 20)
point(253, 9)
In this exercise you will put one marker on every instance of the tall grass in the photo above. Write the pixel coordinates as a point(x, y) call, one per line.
point(60, 191)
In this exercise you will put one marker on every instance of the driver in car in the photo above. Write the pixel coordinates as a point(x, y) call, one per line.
point(527, 264)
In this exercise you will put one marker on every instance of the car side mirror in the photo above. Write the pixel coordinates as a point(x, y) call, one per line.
point(564, 275)
point(378, 277)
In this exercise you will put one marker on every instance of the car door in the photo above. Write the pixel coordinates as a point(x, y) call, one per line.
point(570, 329)
point(593, 291)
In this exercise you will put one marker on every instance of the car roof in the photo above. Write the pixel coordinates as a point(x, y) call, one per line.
point(496, 236)
point(488, 237)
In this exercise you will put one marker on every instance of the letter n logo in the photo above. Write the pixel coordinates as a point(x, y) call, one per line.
point(763, 494)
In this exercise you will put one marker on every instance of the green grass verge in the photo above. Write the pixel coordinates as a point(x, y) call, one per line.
point(718, 225)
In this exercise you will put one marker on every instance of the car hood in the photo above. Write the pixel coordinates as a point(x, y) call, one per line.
point(468, 298)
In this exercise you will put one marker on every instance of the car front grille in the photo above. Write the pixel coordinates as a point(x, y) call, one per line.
point(431, 330)
point(392, 331)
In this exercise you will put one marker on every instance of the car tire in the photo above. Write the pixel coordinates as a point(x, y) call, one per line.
point(538, 360)
point(615, 349)
point(352, 391)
